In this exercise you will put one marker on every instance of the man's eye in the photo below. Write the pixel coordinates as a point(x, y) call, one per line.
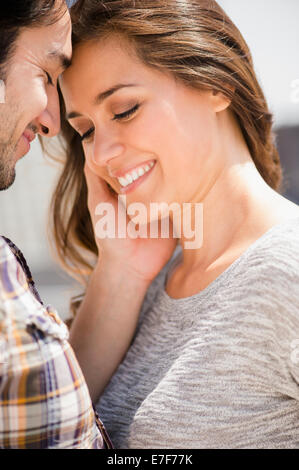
point(49, 78)
point(126, 114)
point(87, 134)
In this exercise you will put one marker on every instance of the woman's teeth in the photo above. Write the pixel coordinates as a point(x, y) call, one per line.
point(135, 174)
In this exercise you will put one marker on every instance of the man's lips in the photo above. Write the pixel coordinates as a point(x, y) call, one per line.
point(30, 135)
point(26, 138)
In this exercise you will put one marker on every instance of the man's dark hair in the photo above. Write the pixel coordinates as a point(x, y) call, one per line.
point(18, 14)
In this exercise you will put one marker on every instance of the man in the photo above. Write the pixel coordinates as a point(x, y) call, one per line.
point(35, 48)
point(44, 399)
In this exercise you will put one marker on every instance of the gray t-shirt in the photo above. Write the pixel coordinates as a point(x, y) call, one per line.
point(219, 369)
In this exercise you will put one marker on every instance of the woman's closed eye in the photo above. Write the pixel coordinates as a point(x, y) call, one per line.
point(87, 134)
point(126, 114)
point(116, 117)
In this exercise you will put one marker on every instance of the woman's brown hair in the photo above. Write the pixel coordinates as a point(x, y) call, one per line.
point(198, 44)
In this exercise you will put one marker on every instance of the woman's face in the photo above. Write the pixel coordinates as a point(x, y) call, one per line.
point(146, 118)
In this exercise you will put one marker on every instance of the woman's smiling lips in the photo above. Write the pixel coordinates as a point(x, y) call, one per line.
point(137, 176)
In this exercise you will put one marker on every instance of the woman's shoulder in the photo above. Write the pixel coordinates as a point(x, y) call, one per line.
point(282, 238)
point(275, 255)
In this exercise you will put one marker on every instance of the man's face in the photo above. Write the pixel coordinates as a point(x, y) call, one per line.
point(31, 100)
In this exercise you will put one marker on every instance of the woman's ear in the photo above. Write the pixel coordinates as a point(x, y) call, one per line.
point(220, 102)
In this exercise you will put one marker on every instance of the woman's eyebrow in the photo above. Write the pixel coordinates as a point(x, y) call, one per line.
point(105, 94)
point(101, 97)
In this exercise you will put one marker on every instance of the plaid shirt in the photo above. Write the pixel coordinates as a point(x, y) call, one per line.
point(44, 399)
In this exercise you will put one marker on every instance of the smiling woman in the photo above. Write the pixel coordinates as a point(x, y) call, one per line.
point(225, 67)
point(169, 88)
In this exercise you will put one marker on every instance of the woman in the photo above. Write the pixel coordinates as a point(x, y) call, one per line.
point(169, 86)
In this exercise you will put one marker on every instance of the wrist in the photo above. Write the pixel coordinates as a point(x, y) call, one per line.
point(113, 272)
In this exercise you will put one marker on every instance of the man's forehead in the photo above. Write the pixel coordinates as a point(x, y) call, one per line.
point(47, 44)
point(58, 46)
point(58, 34)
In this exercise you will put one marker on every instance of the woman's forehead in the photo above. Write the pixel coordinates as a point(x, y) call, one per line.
point(107, 50)
point(103, 64)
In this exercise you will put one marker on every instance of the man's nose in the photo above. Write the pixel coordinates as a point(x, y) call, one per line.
point(48, 122)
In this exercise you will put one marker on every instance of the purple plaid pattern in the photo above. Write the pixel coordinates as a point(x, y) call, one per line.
point(44, 399)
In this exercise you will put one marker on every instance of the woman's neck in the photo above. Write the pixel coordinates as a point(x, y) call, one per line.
point(238, 208)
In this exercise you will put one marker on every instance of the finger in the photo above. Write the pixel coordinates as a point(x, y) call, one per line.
point(97, 188)
point(98, 192)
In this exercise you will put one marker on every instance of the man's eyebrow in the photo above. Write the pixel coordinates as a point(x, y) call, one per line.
point(64, 61)
point(101, 97)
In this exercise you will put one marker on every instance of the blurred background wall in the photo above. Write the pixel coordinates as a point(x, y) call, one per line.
point(271, 30)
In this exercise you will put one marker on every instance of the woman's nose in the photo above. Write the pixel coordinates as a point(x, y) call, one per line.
point(106, 147)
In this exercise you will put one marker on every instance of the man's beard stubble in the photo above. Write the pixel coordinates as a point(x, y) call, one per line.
point(7, 151)
point(7, 164)
point(7, 171)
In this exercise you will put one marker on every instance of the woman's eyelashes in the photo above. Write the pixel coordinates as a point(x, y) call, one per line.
point(127, 113)
point(87, 134)
point(117, 117)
